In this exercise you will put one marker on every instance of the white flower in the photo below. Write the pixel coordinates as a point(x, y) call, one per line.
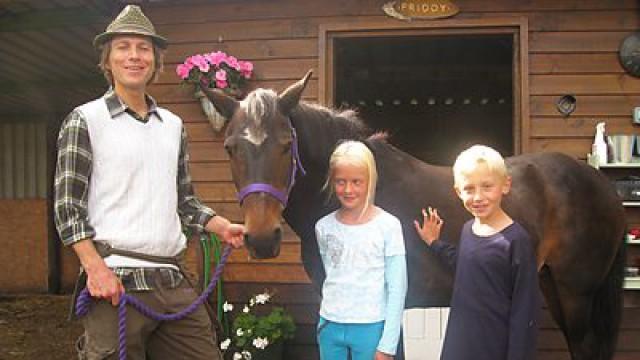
point(237, 356)
point(225, 344)
point(239, 332)
point(246, 309)
point(262, 298)
point(227, 307)
point(246, 355)
point(260, 343)
point(249, 331)
point(252, 302)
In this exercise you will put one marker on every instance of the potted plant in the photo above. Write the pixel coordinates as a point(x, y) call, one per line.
point(257, 332)
point(215, 70)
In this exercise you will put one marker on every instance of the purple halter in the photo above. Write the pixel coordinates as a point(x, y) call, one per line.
point(281, 195)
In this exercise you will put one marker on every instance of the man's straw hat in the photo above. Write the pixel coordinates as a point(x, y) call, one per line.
point(130, 21)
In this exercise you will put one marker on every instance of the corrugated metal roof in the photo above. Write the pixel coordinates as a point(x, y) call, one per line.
point(47, 61)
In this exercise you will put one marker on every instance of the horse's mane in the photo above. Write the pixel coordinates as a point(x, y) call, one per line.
point(325, 125)
point(345, 124)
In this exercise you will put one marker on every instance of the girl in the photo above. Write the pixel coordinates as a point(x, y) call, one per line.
point(362, 250)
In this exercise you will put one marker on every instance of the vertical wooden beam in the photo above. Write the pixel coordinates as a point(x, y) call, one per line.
point(2, 161)
point(30, 156)
point(525, 121)
point(41, 160)
point(19, 163)
point(7, 154)
point(54, 245)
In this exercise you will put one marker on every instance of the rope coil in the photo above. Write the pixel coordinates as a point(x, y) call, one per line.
point(84, 301)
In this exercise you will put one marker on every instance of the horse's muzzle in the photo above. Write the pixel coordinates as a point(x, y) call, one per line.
point(264, 247)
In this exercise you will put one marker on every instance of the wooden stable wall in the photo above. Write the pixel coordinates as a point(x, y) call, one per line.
point(572, 50)
point(23, 240)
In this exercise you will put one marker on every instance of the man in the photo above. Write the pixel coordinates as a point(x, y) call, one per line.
point(122, 189)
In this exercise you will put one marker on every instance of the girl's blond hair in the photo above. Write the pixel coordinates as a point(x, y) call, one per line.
point(468, 161)
point(358, 154)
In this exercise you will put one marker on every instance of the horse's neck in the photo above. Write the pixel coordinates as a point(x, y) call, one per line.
point(318, 134)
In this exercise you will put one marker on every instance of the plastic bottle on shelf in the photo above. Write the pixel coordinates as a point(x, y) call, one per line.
point(600, 146)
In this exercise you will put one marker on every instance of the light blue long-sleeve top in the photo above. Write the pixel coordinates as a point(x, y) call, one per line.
point(366, 273)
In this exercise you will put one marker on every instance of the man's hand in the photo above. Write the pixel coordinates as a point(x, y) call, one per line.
point(230, 233)
point(104, 284)
point(431, 225)
point(101, 281)
point(234, 235)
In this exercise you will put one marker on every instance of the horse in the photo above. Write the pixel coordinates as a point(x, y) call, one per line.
point(572, 212)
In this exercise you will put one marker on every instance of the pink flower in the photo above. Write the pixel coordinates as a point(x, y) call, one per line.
point(183, 70)
point(221, 75)
point(200, 62)
point(232, 62)
point(215, 58)
point(210, 70)
point(246, 68)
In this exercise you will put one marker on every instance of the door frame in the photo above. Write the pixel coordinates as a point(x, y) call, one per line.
point(516, 26)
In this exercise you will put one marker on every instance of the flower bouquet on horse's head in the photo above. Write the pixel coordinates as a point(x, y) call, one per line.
point(258, 330)
point(216, 70)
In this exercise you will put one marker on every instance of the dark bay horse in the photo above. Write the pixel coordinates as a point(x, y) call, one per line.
point(574, 216)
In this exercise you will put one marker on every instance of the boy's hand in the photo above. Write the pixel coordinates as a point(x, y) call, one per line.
point(431, 225)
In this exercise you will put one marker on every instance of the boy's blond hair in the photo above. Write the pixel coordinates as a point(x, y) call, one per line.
point(358, 154)
point(468, 161)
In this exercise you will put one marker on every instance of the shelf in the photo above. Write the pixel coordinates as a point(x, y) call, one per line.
point(634, 242)
point(630, 165)
point(631, 203)
point(632, 283)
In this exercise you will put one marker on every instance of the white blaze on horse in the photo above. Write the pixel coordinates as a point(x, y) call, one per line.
point(574, 216)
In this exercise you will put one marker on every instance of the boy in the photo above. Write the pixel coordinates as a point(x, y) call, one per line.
point(495, 298)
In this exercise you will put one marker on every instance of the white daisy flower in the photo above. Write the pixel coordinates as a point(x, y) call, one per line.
point(227, 307)
point(239, 332)
point(260, 343)
point(245, 310)
point(246, 355)
point(225, 344)
point(237, 356)
point(262, 298)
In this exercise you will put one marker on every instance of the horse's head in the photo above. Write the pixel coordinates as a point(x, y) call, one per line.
point(262, 148)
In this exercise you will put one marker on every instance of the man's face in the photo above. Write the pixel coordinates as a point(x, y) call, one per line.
point(131, 62)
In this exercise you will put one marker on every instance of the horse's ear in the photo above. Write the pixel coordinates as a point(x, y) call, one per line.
point(225, 104)
point(290, 98)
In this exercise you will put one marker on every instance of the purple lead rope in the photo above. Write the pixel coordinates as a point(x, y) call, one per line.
point(84, 301)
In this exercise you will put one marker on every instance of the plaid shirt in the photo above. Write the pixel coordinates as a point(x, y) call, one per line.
point(73, 170)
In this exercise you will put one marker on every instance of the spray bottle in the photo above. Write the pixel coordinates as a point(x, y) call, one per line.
point(600, 147)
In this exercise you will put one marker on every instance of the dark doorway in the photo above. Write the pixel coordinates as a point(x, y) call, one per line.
point(435, 95)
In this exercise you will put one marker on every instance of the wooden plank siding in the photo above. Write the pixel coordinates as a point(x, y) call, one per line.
point(24, 222)
point(572, 50)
